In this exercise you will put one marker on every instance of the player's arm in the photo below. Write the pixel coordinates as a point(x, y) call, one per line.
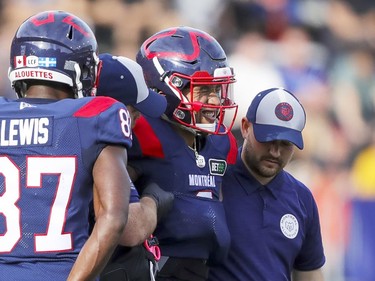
point(144, 215)
point(313, 275)
point(111, 202)
point(141, 222)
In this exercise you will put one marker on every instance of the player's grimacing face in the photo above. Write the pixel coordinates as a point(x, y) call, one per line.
point(207, 95)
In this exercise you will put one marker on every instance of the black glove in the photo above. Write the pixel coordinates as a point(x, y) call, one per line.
point(163, 199)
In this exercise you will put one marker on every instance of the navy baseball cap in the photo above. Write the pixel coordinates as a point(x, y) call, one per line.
point(122, 79)
point(276, 114)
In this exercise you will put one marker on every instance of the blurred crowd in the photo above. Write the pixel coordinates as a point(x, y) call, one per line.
point(321, 50)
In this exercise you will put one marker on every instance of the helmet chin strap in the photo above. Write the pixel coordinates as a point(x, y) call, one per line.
point(177, 124)
point(211, 127)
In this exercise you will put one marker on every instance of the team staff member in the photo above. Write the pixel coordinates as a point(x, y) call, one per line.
point(272, 217)
point(59, 151)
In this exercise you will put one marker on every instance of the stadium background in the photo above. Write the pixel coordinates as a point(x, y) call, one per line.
point(321, 50)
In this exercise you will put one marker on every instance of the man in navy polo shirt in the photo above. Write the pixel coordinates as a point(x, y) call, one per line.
point(272, 217)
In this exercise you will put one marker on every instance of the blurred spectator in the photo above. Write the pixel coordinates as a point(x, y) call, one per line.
point(197, 13)
point(142, 19)
point(353, 92)
point(254, 72)
point(302, 63)
point(360, 248)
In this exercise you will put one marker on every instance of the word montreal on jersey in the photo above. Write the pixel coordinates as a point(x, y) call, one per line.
point(27, 131)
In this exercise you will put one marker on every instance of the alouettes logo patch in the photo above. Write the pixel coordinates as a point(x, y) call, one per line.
point(289, 226)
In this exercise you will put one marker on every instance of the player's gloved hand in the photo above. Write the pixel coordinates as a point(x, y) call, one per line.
point(163, 199)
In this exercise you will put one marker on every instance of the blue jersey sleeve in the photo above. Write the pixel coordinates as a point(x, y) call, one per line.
point(115, 125)
point(112, 120)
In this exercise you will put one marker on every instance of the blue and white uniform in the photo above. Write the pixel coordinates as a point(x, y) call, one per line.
point(196, 226)
point(274, 228)
point(47, 152)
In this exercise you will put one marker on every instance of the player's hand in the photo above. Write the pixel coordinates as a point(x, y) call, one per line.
point(163, 199)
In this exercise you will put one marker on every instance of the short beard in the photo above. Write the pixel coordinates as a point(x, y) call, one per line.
point(254, 166)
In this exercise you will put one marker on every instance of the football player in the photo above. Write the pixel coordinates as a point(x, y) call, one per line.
point(135, 258)
point(59, 151)
point(187, 150)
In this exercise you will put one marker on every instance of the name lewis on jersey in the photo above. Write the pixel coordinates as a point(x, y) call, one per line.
point(26, 131)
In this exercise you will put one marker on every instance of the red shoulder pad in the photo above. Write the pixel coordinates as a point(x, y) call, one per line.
point(148, 141)
point(232, 154)
point(95, 107)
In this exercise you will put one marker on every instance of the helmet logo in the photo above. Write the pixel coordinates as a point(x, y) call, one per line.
point(68, 20)
point(38, 22)
point(192, 41)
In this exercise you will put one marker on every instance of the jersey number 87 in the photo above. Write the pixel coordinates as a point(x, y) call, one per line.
point(54, 239)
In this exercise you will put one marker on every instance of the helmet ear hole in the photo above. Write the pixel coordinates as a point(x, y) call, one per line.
point(70, 33)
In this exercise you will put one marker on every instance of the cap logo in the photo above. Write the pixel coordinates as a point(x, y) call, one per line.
point(284, 111)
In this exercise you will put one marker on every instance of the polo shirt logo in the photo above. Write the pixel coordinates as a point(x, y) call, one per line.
point(289, 226)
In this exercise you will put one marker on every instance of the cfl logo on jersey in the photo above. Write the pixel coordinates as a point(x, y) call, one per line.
point(217, 167)
point(289, 226)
